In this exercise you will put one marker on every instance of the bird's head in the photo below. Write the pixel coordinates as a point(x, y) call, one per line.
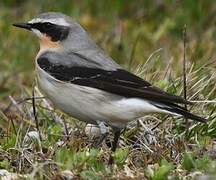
point(56, 28)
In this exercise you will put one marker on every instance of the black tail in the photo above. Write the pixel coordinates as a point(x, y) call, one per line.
point(176, 109)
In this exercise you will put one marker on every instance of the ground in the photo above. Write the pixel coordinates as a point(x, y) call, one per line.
point(146, 37)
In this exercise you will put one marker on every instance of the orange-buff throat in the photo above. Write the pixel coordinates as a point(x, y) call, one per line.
point(47, 44)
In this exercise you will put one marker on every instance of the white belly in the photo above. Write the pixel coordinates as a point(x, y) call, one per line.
point(90, 104)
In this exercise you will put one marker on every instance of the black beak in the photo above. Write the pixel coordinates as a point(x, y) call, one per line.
point(23, 25)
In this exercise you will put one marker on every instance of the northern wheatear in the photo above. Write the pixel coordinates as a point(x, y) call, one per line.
point(84, 82)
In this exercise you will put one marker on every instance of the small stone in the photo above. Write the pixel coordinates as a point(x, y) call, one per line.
point(67, 175)
point(92, 130)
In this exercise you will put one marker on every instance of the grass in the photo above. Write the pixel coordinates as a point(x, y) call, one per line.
point(144, 37)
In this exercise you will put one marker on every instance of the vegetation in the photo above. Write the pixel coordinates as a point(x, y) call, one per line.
point(145, 37)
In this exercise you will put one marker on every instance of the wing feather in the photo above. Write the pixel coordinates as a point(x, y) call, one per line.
point(118, 81)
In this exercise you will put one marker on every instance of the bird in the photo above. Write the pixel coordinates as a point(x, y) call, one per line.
point(84, 82)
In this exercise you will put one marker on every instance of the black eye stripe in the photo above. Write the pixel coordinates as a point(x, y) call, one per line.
point(44, 27)
point(56, 32)
point(48, 25)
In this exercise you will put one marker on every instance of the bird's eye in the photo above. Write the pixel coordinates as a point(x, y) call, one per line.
point(48, 25)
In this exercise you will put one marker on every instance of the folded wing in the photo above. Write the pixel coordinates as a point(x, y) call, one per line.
point(117, 81)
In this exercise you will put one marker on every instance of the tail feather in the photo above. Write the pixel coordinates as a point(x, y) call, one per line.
point(178, 110)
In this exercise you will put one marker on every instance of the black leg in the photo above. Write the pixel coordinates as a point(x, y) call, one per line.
point(117, 134)
point(115, 141)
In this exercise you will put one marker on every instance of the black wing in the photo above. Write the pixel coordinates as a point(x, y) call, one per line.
point(119, 82)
